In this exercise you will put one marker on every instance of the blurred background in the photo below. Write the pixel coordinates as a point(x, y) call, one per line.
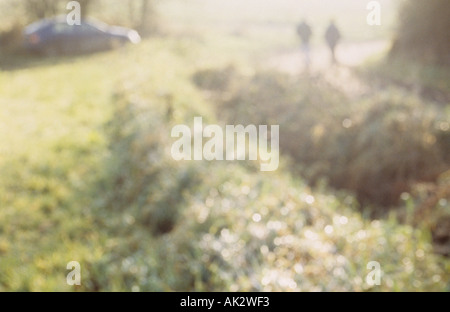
point(86, 172)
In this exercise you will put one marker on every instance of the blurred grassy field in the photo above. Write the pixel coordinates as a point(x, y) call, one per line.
point(86, 173)
point(53, 145)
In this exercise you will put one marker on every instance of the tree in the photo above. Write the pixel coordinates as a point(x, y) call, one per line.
point(142, 15)
point(423, 31)
point(85, 6)
point(38, 9)
point(147, 23)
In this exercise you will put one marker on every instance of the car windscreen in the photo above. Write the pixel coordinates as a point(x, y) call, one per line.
point(37, 26)
point(62, 28)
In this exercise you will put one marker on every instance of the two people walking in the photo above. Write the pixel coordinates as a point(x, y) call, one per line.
point(332, 38)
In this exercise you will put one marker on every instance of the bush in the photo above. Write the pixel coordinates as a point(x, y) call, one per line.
point(11, 40)
point(377, 147)
point(241, 231)
point(141, 166)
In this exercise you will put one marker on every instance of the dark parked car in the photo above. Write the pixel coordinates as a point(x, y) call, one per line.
point(56, 37)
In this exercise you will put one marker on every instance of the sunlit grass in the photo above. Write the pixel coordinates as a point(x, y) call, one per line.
point(85, 175)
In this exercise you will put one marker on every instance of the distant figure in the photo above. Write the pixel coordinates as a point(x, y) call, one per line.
point(305, 33)
point(332, 36)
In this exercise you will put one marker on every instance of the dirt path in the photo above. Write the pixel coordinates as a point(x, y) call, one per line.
point(348, 55)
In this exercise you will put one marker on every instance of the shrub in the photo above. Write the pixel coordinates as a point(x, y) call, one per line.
point(377, 147)
point(233, 229)
point(11, 40)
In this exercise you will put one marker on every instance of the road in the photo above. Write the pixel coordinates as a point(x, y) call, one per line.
point(347, 54)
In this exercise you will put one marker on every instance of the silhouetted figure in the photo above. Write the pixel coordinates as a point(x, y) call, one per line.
point(305, 33)
point(332, 36)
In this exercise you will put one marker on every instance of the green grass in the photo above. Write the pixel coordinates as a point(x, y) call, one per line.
point(86, 175)
point(53, 145)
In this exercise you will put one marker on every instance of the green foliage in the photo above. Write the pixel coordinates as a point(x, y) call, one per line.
point(241, 232)
point(331, 136)
point(86, 175)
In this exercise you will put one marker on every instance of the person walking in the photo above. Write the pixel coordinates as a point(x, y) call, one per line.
point(304, 32)
point(332, 37)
